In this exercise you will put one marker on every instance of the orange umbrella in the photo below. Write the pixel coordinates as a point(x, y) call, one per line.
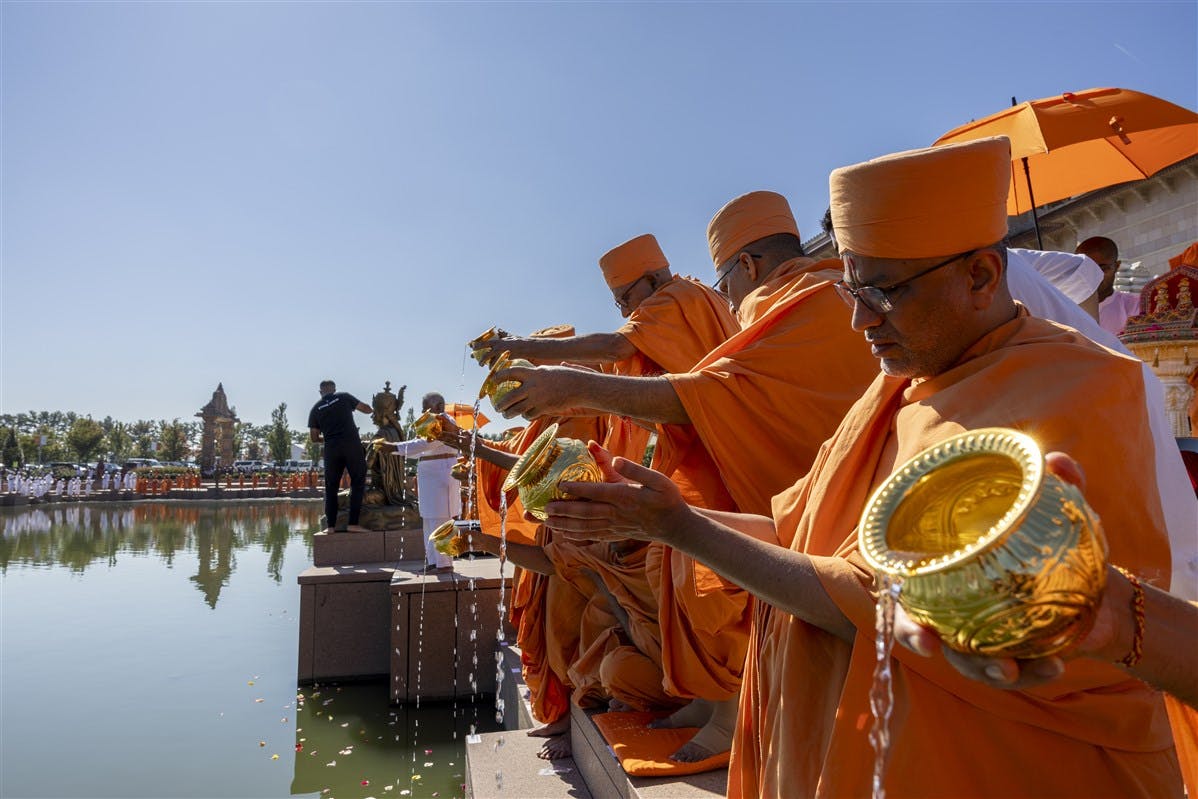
point(1078, 142)
point(463, 415)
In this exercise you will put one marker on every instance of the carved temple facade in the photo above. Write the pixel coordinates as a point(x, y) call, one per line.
point(216, 440)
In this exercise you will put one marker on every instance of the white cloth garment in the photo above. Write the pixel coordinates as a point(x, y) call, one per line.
point(1114, 311)
point(1074, 275)
point(1178, 502)
point(439, 494)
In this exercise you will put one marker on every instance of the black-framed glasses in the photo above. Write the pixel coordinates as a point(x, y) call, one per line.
point(726, 270)
point(877, 298)
point(622, 302)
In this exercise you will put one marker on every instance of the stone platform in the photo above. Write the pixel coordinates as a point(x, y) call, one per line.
point(503, 765)
point(367, 611)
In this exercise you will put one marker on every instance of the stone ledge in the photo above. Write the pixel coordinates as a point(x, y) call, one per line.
point(485, 571)
point(349, 573)
point(502, 765)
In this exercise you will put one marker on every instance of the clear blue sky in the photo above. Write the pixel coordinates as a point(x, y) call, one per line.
point(266, 194)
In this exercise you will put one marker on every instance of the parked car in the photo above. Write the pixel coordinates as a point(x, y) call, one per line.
point(142, 463)
point(296, 466)
point(249, 467)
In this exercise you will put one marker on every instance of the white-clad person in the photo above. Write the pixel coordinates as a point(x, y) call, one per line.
point(439, 494)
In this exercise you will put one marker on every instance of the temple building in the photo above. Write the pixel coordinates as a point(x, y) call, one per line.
point(216, 440)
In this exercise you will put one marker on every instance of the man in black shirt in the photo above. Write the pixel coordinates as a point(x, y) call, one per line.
point(332, 421)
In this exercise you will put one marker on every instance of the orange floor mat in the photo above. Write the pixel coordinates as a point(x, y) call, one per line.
point(644, 752)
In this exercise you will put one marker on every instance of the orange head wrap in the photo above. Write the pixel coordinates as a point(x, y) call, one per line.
point(747, 219)
point(553, 331)
point(924, 203)
point(630, 260)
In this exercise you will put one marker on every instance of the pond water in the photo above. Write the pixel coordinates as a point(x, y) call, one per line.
point(149, 649)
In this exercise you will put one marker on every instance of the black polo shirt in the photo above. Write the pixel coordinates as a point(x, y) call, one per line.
point(333, 416)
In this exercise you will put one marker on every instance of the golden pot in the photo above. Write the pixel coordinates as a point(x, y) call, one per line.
point(447, 541)
point(995, 554)
point(480, 354)
point(549, 461)
point(497, 390)
point(428, 426)
point(460, 470)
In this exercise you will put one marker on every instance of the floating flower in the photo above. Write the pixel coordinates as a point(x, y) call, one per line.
point(365, 782)
point(299, 747)
point(274, 757)
point(262, 743)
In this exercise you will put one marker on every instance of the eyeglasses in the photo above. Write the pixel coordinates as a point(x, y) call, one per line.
point(622, 302)
point(877, 298)
point(723, 273)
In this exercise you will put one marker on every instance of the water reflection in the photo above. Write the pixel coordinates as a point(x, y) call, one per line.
point(77, 536)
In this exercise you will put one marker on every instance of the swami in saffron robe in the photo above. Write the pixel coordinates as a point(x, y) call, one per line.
point(805, 716)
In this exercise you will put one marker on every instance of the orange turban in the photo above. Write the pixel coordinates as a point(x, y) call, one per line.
point(749, 218)
point(630, 260)
point(924, 203)
point(554, 331)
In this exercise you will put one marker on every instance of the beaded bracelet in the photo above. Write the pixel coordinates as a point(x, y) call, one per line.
point(1137, 611)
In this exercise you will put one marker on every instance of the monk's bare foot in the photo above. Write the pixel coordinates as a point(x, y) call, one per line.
point(356, 528)
point(696, 714)
point(616, 706)
point(714, 737)
point(552, 728)
point(556, 748)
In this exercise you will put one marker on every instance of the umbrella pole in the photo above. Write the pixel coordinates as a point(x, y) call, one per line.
point(1027, 174)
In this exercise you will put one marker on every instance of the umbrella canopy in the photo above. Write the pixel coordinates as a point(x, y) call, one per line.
point(463, 415)
point(1078, 142)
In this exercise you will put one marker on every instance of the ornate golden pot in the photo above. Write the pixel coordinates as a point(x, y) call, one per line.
point(497, 390)
point(478, 354)
point(447, 541)
point(995, 554)
point(428, 426)
point(547, 462)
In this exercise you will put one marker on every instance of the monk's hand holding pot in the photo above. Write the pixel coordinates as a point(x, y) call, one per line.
point(633, 502)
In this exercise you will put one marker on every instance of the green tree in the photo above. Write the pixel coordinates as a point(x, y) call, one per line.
point(11, 453)
point(172, 441)
point(120, 442)
point(55, 448)
point(278, 435)
point(85, 437)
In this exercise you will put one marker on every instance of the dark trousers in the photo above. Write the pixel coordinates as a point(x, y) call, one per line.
point(339, 457)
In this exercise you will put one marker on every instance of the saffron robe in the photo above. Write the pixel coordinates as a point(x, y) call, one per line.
point(805, 714)
point(795, 355)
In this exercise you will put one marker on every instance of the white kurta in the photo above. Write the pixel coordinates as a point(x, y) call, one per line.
point(439, 494)
point(1114, 311)
point(1177, 496)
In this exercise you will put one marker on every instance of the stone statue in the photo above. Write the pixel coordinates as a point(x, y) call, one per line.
point(387, 479)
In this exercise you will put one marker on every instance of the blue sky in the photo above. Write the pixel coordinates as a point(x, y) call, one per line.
point(266, 194)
